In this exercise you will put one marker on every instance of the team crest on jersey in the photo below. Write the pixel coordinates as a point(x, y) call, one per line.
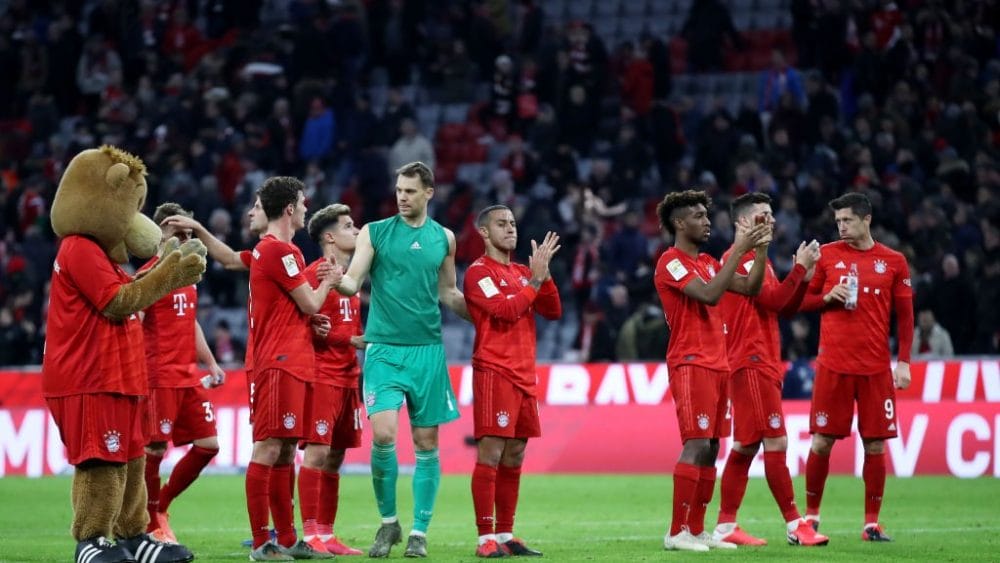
point(113, 441)
point(166, 426)
point(322, 427)
point(370, 399)
point(288, 420)
point(703, 421)
point(503, 419)
point(524, 281)
point(711, 270)
point(880, 266)
point(906, 282)
point(774, 421)
point(821, 419)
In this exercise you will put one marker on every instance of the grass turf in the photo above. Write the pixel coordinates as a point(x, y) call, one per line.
point(569, 517)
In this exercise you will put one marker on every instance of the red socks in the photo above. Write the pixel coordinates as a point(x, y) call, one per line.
point(685, 483)
point(280, 497)
point(817, 469)
point(874, 476)
point(702, 496)
point(258, 477)
point(153, 488)
point(329, 498)
point(508, 485)
point(733, 486)
point(184, 473)
point(309, 487)
point(780, 482)
point(484, 481)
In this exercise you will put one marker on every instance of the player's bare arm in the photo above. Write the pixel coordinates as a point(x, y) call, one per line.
point(218, 250)
point(205, 356)
point(310, 300)
point(448, 292)
point(361, 264)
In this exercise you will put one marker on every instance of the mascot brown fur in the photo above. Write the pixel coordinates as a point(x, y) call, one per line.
point(94, 372)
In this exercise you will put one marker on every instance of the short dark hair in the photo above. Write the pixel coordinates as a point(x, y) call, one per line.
point(167, 209)
point(740, 205)
point(859, 204)
point(326, 218)
point(677, 200)
point(277, 193)
point(417, 170)
point(484, 215)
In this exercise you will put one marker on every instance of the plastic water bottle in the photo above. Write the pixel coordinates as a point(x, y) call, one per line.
point(852, 288)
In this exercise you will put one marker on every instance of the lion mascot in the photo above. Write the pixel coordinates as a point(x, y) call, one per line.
point(94, 369)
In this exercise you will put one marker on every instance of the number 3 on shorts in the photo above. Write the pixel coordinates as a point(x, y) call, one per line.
point(890, 409)
point(209, 415)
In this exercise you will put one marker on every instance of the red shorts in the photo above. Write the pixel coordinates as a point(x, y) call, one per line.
point(279, 405)
point(701, 397)
point(834, 395)
point(503, 409)
point(180, 415)
point(101, 426)
point(334, 415)
point(756, 400)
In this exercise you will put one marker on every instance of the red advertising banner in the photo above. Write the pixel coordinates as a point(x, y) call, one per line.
point(603, 418)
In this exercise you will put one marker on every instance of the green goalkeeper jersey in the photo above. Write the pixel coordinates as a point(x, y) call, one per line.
point(404, 282)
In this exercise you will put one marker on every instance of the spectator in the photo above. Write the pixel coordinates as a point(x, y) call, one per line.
point(777, 81)
point(954, 303)
point(931, 340)
point(319, 134)
point(411, 146)
point(706, 29)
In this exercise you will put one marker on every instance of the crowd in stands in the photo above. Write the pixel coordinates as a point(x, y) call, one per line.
point(511, 102)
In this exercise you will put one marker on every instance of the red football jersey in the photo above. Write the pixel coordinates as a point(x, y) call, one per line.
point(752, 337)
point(168, 330)
point(857, 342)
point(697, 335)
point(502, 307)
point(85, 352)
point(336, 357)
point(280, 332)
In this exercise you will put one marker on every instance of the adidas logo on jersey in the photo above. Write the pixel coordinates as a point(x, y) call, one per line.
point(415, 246)
point(503, 283)
point(841, 266)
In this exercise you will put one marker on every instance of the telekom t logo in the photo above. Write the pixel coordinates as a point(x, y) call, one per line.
point(180, 303)
point(345, 308)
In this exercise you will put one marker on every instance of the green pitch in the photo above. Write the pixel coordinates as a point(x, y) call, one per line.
point(570, 518)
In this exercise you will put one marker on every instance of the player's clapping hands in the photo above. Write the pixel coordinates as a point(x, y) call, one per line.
point(541, 255)
point(750, 236)
point(808, 255)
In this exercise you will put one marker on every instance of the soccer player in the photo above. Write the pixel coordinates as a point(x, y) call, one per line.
point(754, 350)
point(281, 302)
point(858, 282)
point(335, 413)
point(502, 298)
point(411, 259)
point(689, 284)
point(179, 405)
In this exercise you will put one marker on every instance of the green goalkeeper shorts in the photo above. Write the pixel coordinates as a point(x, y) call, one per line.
point(418, 374)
